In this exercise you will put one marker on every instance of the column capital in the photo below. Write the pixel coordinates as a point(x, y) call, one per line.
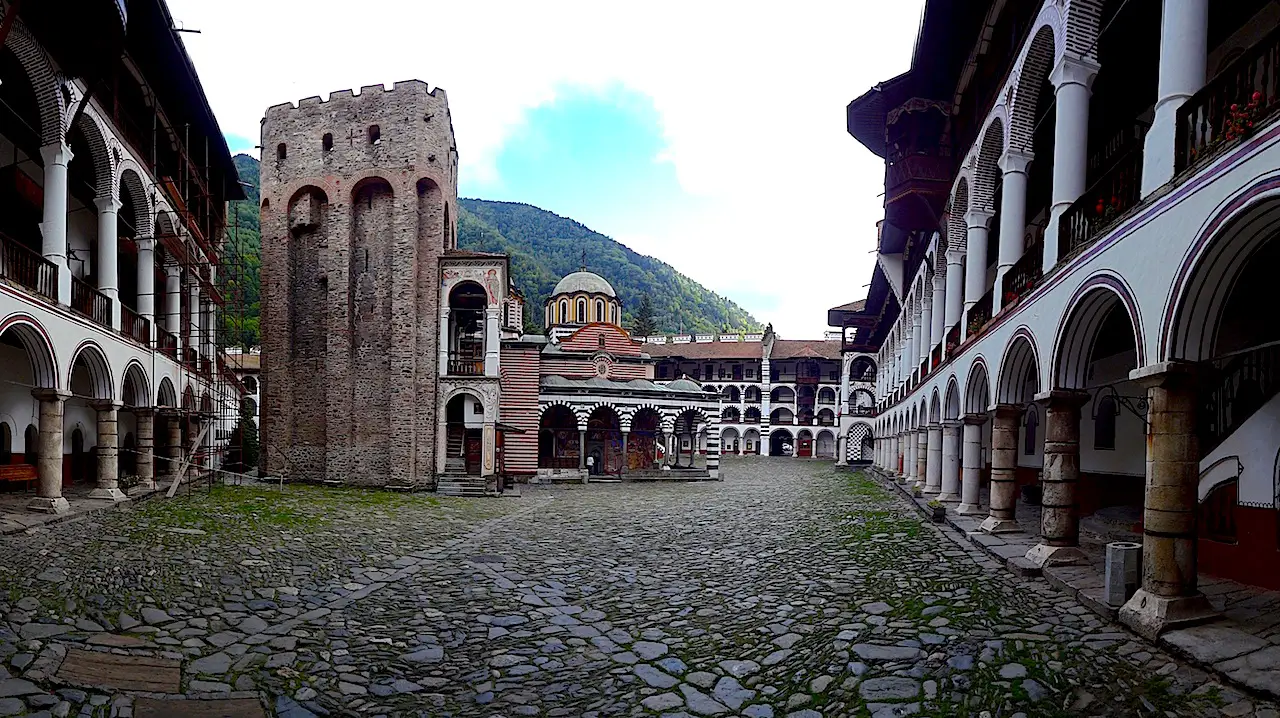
point(1063, 398)
point(1074, 71)
point(954, 256)
point(952, 423)
point(141, 411)
point(974, 419)
point(1165, 372)
point(145, 243)
point(57, 153)
point(1015, 161)
point(978, 218)
point(1007, 411)
point(108, 204)
point(46, 394)
point(105, 405)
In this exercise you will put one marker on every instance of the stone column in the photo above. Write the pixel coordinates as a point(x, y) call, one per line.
point(492, 341)
point(49, 498)
point(173, 301)
point(1169, 597)
point(950, 460)
point(926, 331)
point(1013, 218)
point(582, 450)
point(147, 281)
point(922, 456)
point(971, 465)
point(937, 330)
point(1004, 460)
point(625, 437)
point(1059, 513)
point(145, 459)
point(108, 452)
point(173, 430)
point(53, 227)
point(933, 466)
point(975, 280)
point(954, 312)
point(444, 341)
point(1072, 80)
point(909, 457)
point(109, 254)
point(1184, 44)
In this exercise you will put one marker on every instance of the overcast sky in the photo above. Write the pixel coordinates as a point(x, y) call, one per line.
point(710, 135)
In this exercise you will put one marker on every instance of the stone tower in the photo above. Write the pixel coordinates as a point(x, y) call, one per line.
point(359, 200)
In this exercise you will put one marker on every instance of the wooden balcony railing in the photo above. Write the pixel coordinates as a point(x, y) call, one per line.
point(1111, 196)
point(935, 357)
point(980, 313)
point(1232, 106)
point(1023, 276)
point(166, 343)
point(90, 302)
point(27, 268)
point(952, 341)
point(135, 327)
point(460, 366)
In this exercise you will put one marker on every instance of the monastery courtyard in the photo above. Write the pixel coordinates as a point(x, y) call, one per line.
point(788, 589)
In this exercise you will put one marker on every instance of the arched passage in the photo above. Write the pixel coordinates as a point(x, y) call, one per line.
point(558, 439)
point(464, 427)
point(604, 441)
point(824, 446)
point(642, 442)
point(781, 443)
point(467, 302)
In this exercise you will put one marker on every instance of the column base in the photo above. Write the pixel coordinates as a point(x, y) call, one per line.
point(948, 498)
point(969, 510)
point(46, 505)
point(1150, 615)
point(993, 525)
point(1045, 555)
point(112, 494)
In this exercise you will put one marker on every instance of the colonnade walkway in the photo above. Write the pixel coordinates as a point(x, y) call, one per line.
point(1243, 646)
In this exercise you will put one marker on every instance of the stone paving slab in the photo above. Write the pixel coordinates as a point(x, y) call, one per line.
point(217, 708)
point(125, 672)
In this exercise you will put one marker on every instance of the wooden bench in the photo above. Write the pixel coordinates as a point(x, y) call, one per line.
point(18, 472)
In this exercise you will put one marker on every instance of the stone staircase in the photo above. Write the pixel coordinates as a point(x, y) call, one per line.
point(460, 485)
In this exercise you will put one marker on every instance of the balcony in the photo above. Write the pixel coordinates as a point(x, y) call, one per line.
point(935, 357)
point(167, 343)
point(26, 268)
point(135, 327)
point(1115, 193)
point(89, 302)
point(952, 341)
point(980, 314)
point(465, 366)
point(1023, 276)
point(862, 411)
point(1231, 106)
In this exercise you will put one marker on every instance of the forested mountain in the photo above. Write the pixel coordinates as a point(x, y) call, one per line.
point(543, 248)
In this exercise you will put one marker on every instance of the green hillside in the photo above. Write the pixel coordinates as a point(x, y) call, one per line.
point(544, 247)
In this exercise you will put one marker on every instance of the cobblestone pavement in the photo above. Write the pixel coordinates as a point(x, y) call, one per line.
point(789, 589)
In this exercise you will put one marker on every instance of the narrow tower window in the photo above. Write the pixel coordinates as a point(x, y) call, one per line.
point(281, 151)
point(326, 142)
point(375, 134)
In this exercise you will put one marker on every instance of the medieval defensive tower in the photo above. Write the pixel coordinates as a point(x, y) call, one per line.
point(359, 196)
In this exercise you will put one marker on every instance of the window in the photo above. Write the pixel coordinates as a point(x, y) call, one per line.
point(599, 311)
point(602, 341)
point(751, 372)
point(326, 142)
point(1032, 422)
point(477, 407)
point(6, 444)
point(281, 151)
point(375, 134)
point(564, 311)
point(1104, 424)
point(662, 371)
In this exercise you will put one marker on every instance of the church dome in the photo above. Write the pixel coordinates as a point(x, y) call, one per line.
point(683, 384)
point(583, 281)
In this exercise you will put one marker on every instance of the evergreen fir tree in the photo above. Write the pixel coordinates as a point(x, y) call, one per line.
point(643, 324)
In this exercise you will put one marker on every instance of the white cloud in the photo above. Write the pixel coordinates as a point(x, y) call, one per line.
point(751, 100)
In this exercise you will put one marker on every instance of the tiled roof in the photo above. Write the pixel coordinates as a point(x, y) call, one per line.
point(851, 306)
point(244, 362)
point(805, 349)
point(706, 350)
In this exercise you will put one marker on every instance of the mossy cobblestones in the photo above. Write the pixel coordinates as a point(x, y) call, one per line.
point(789, 589)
